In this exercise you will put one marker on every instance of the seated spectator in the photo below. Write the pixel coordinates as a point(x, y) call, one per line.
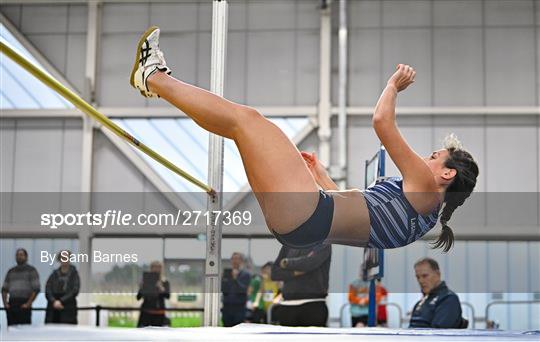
point(20, 289)
point(261, 293)
point(154, 290)
point(439, 307)
point(234, 286)
point(304, 273)
point(61, 291)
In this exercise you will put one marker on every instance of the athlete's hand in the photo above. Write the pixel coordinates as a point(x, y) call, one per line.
point(403, 77)
point(314, 165)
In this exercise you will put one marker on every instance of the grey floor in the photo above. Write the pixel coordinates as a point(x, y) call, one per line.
point(256, 332)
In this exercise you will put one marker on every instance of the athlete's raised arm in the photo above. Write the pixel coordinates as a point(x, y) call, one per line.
point(417, 177)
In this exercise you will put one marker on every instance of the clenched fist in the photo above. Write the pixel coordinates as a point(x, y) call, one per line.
point(403, 77)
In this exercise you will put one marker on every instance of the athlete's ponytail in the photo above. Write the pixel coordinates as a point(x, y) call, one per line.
point(458, 191)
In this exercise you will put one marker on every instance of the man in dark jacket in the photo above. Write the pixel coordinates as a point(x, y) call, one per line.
point(440, 307)
point(304, 273)
point(61, 292)
point(21, 286)
point(234, 286)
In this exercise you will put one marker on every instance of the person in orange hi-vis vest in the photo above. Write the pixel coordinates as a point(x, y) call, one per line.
point(381, 295)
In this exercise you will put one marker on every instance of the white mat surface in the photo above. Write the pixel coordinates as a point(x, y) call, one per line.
point(256, 332)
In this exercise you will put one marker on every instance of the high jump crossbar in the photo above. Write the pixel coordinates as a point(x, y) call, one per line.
point(86, 108)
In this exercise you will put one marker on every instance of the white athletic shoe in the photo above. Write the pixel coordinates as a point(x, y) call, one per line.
point(148, 60)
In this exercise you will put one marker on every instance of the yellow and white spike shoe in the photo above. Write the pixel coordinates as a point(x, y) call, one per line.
point(148, 60)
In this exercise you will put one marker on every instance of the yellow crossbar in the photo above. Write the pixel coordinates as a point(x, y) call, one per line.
point(78, 102)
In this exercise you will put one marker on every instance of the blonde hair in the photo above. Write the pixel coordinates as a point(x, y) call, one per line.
point(451, 142)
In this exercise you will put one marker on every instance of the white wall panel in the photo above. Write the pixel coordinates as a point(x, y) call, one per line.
point(13, 13)
point(409, 46)
point(401, 13)
point(498, 271)
point(124, 178)
point(458, 67)
point(118, 53)
point(363, 14)
point(510, 58)
point(306, 78)
point(519, 270)
point(511, 143)
point(509, 12)
point(38, 156)
point(71, 155)
point(458, 59)
point(77, 18)
point(53, 46)
point(452, 263)
point(44, 19)
point(125, 18)
point(174, 17)
point(238, 15)
point(477, 266)
point(270, 80)
point(277, 14)
point(180, 51)
point(457, 13)
point(7, 154)
point(537, 61)
point(365, 81)
point(534, 271)
point(515, 178)
point(7, 157)
point(235, 74)
point(397, 269)
point(203, 62)
point(307, 15)
point(76, 60)
point(205, 16)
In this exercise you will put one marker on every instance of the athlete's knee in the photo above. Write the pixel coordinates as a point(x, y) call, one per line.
point(248, 114)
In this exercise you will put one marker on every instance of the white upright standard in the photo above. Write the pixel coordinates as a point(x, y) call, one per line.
point(212, 280)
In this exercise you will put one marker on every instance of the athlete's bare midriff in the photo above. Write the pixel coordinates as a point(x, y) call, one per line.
point(350, 223)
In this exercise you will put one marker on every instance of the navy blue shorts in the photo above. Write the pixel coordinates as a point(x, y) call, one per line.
point(315, 230)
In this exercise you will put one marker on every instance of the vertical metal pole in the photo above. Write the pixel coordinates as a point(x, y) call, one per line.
point(372, 313)
point(212, 288)
point(84, 235)
point(92, 45)
point(342, 114)
point(372, 308)
point(325, 72)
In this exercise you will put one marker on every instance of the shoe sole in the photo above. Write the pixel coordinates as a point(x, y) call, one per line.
point(139, 46)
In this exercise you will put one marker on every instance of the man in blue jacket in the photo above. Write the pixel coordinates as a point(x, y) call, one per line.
point(234, 286)
point(440, 307)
